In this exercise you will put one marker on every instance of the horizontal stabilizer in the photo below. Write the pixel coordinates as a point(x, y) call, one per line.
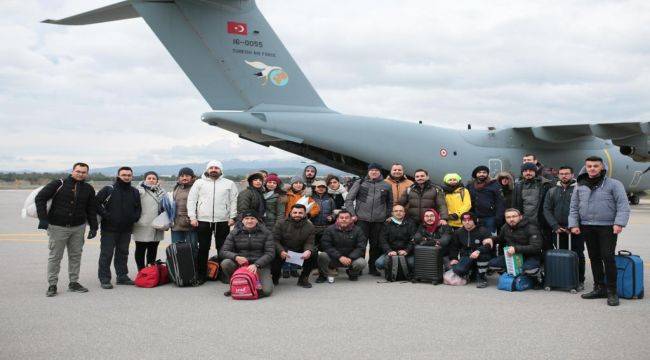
point(118, 11)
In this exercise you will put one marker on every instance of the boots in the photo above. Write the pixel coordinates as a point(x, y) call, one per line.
point(612, 298)
point(599, 292)
point(481, 281)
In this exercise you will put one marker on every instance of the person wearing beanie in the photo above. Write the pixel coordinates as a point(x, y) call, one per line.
point(212, 209)
point(275, 199)
point(398, 182)
point(119, 207)
point(528, 197)
point(308, 177)
point(249, 244)
point(182, 231)
point(471, 249)
point(252, 198)
point(297, 193)
point(146, 236)
point(487, 203)
point(457, 198)
point(369, 201)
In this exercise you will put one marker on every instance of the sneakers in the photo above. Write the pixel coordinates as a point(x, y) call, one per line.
point(597, 293)
point(612, 299)
point(304, 283)
point(51, 291)
point(125, 281)
point(580, 287)
point(481, 281)
point(106, 286)
point(76, 287)
point(330, 279)
point(321, 279)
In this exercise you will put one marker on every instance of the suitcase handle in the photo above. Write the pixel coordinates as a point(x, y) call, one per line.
point(625, 252)
point(557, 240)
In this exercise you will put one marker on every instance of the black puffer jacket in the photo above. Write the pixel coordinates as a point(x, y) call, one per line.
point(524, 236)
point(256, 245)
point(465, 242)
point(294, 235)
point(557, 205)
point(396, 236)
point(121, 210)
point(350, 243)
point(416, 200)
point(440, 237)
point(251, 199)
point(487, 200)
point(73, 205)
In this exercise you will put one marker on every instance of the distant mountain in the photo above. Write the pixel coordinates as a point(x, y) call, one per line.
point(231, 167)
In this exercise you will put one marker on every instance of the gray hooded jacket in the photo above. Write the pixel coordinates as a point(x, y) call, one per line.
point(605, 205)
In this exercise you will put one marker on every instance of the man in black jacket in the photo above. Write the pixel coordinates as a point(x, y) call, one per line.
point(296, 234)
point(474, 246)
point(528, 198)
point(343, 245)
point(487, 201)
point(119, 207)
point(396, 238)
point(556, 211)
point(522, 237)
point(73, 204)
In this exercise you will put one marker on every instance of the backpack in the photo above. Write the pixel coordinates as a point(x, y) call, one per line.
point(29, 207)
point(396, 269)
point(244, 285)
point(509, 282)
point(153, 275)
point(213, 268)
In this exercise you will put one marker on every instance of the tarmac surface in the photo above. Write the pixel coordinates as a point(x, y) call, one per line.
point(343, 320)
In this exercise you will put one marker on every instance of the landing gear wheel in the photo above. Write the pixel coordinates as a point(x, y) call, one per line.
point(548, 288)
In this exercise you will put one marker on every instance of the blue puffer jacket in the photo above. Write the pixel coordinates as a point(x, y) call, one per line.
point(605, 205)
point(487, 201)
point(326, 205)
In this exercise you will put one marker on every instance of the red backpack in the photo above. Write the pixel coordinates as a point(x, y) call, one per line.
point(153, 275)
point(244, 285)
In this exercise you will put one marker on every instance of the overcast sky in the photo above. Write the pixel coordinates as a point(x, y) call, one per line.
point(111, 94)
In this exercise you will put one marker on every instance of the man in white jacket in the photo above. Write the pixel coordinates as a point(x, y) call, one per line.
point(212, 209)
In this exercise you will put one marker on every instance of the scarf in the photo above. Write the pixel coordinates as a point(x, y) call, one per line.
point(593, 183)
point(398, 222)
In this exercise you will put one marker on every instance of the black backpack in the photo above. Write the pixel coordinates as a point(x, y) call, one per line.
point(396, 268)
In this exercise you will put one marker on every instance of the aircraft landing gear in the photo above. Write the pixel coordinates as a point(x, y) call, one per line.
point(634, 199)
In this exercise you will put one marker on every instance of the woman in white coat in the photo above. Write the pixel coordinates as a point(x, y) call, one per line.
point(146, 236)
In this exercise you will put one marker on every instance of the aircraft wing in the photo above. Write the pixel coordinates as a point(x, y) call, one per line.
point(633, 138)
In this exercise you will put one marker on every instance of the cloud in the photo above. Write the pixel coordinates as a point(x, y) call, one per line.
point(110, 93)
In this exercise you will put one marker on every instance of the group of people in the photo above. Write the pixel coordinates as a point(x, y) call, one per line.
point(330, 226)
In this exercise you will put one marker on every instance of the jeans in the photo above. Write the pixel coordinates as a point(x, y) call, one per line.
point(60, 238)
point(205, 230)
point(380, 264)
point(466, 264)
point(118, 244)
point(307, 266)
point(372, 230)
point(601, 246)
point(187, 236)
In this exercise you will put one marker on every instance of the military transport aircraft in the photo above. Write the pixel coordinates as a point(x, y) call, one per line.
point(244, 72)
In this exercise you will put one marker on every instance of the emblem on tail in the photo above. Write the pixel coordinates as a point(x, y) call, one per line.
point(275, 74)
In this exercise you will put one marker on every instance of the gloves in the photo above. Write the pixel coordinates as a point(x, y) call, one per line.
point(92, 233)
point(453, 216)
point(43, 224)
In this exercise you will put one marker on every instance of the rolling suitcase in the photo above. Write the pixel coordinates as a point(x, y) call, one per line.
point(629, 278)
point(428, 264)
point(181, 264)
point(561, 268)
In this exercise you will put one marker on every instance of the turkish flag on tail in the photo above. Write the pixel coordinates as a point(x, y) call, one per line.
point(237, 28)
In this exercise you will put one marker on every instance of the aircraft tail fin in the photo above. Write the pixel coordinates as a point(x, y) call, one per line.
point(227, 49)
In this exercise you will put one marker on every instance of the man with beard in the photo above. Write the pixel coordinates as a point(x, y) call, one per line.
point(252, 198)
point(528, 198)
point(182, 231)
point(474, 246)
point(119, 207)
point(523, 238)
point(599, 211)
point(556, 213)
point(487, 202)
point(424, 195)
point(343, 246)
point(212, 209)
point(309, 176)
point(369, 201)
point(296, 234)
point(398, 182)
point(73, 204)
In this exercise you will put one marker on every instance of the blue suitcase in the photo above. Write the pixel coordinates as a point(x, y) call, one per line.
point(561, 268)
point(629, 279)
